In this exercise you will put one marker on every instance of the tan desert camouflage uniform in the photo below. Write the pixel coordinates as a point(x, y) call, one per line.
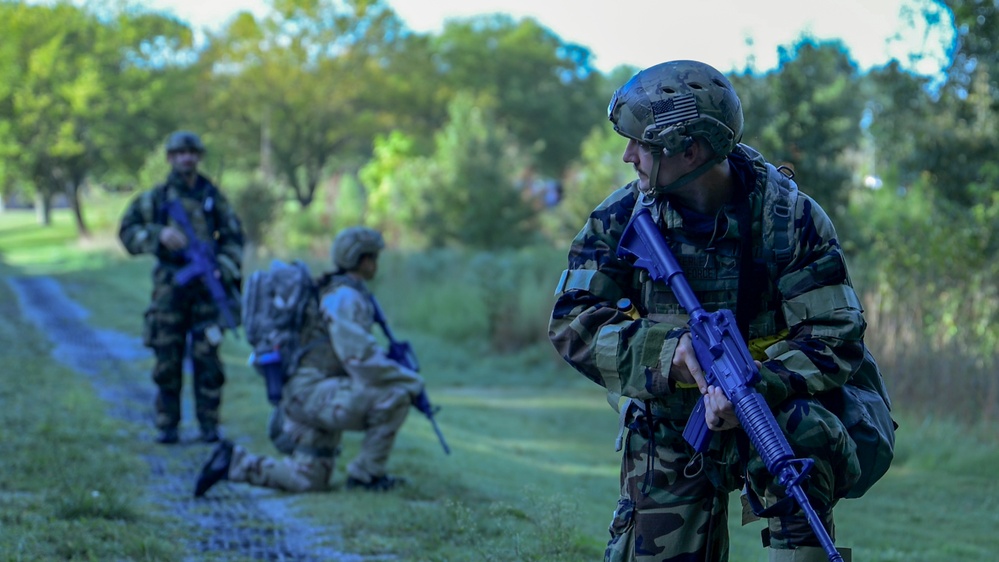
point(176, 311)
point(673, 504)
point(345, 382)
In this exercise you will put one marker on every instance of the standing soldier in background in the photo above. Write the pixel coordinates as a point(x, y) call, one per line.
point(181, 310)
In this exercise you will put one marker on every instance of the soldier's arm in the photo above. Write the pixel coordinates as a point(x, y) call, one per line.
point(230, 240)
point(823, 312)
point(348, 318)
point(138, 233)
point(626, 356)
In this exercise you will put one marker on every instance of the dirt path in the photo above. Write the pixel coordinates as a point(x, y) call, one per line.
point(234, 522)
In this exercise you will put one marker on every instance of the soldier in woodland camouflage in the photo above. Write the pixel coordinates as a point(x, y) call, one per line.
point(711, 197)
point(179, 312)
point(344, 382)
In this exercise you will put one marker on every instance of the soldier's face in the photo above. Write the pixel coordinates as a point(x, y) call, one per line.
point(640, 156)
point(184, 161)
point(368, 267)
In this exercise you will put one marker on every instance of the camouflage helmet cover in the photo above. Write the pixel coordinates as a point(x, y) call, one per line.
point(184, 140)
point(352, 243)
point(666, 103)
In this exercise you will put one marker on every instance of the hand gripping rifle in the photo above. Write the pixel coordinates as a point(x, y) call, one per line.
point(727, 364)
point(402, 353)
point(201, 263)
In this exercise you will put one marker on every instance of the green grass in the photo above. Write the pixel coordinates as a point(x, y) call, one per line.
point(71, 478)
point(533, 474)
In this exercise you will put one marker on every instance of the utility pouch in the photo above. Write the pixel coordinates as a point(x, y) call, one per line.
point(863, 407)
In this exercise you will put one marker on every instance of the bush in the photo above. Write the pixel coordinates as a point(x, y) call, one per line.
point(258, 206)
point(502, 297)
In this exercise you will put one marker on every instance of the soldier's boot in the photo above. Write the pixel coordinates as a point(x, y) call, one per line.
point(210, 434)
point(806, 554)
point(168, 436)
point(216, 469)
point(377, 484)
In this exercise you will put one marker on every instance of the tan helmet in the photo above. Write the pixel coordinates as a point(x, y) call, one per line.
point(667, 104)
point(352, 243)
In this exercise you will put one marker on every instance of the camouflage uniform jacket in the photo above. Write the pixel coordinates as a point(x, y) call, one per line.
point(350, 317)
point(812, 298)
point(343, 380)
point(211, 217)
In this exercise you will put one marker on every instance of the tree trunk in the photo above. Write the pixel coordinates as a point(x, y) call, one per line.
point(266, 149)
point(43, 208)
point(73, 194)
point(311, 182)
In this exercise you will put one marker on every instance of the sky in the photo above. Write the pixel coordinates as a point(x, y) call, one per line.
point(724, 33)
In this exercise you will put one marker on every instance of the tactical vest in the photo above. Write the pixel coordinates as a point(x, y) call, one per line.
point(199, 203)
point(314, 336)
point(712, 264)
point(712, 267)
point(314, 341)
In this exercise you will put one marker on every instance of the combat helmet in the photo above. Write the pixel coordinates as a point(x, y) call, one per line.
point(666, 105)
point(184, 140)
point(352, 243)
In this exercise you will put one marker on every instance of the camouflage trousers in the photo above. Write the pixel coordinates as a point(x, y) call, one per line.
point(174, 314)
point(313, 420)
point(674, 501)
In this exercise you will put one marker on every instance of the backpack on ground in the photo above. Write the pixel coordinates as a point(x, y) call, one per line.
point(274, 305)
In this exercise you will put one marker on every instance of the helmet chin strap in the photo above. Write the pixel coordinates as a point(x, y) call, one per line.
point(657, 157)
point(682, 180)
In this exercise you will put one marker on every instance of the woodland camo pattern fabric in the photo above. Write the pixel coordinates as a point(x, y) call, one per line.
point(177, 311)
point(673, 504)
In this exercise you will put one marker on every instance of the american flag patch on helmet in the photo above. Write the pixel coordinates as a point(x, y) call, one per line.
point(674, 110)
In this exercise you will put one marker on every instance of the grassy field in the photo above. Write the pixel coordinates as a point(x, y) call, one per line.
point(533, 474)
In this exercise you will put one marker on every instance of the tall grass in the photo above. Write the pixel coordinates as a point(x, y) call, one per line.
point(944, 378)
point(504, 297)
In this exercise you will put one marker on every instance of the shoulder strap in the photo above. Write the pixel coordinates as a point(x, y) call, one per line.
point(779, 201)
point(211, 215)
point(153, 205)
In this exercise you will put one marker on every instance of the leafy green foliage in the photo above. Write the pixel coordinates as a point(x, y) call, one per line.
point(465, 194)
point(541, 89)
point(937, 258)
point(392, 208)
point(76, 87)
point(806, 114)
point(592, 178)
point(307, 85)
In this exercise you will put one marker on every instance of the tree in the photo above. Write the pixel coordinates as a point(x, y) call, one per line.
point(541, 88)
point(312, 85)
point(598, 171)
point(807, 115)
point(71, 103)
point(901, 118)
point(959, 141)
point(465, 194)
